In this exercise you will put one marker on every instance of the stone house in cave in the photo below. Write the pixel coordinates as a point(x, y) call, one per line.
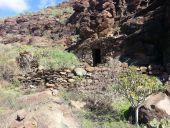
point(96, 52)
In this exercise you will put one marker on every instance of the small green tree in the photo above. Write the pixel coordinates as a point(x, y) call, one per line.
point(136, 87)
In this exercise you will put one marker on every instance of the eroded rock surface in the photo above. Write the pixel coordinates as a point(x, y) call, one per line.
point(40, 110)
point(143, 25)
point(47, 26)
point(96, 18)
point(155, 106)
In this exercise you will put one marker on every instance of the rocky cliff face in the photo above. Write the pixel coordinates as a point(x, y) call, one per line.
point(144, 26)
point(95, 18)
point(102, 17)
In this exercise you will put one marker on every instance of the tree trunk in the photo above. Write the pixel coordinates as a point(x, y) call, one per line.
point(137, 115)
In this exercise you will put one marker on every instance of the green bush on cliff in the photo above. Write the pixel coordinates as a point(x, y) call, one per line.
point(60, 11)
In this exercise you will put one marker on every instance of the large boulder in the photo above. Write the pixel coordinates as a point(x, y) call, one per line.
point(80, 71)
point(156, 106)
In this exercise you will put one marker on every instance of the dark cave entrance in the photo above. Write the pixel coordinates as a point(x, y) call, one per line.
point(96, 54)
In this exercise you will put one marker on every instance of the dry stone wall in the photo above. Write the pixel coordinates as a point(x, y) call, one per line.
point(85, 78)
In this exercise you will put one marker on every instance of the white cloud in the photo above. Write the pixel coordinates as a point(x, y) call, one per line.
point(46, 3)
point(14, 5)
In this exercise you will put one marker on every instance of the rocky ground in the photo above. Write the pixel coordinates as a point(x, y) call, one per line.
point(40, 110)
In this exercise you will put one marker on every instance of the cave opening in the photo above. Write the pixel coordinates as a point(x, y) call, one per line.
point(96, 54)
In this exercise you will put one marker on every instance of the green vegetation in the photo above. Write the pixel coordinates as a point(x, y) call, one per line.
point(71, 95)
point(87, 122)
point(8, 65)
point(52, 57)
point(57, 11)
point(56, 59)
point(100, 111)
point(60, 12)
point(164, 123)
point(8, 99)
point(135, 87)
point(8, 52)
point(49, 57)
point(121, 106)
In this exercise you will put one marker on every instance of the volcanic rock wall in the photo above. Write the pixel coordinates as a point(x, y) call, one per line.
point(144, 26)
point(96, 18)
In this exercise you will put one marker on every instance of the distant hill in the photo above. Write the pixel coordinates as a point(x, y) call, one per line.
point(49, 24)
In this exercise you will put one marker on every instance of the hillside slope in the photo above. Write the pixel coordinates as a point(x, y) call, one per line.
point(108, 37)
point(46, 27)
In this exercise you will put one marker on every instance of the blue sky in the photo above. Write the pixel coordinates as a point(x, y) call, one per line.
point(15, 7)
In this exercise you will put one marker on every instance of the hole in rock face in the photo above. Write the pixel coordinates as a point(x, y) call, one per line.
point(96, 53)
point(143, 3)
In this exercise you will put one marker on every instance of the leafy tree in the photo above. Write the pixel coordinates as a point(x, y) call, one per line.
point(136, 87)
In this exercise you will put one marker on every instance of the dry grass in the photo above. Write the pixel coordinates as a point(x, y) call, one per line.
point(8, 100)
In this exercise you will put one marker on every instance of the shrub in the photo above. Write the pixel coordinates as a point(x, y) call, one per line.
point(7, 52)
point(8, 99)
point(120, 106)
point(71, 95)
point(60, 11)
point(8, 64)
point(136, 87)
point(86, 122)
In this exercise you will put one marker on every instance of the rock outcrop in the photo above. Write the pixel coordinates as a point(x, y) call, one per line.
point(96, 18)
point(144, 26)
point(40, 110)
point(47, 24)
point(155, 106)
